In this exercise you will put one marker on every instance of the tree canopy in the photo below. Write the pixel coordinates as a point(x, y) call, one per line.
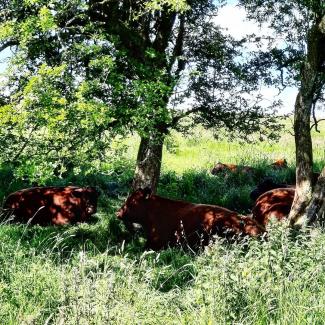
point(286, 50)
point(84, 71)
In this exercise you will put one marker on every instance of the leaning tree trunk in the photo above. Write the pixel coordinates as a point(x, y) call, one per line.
point(148, 167)
point(304, 155)
point(311, 83)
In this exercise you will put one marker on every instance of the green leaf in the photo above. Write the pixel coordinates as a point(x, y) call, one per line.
point(46, 19)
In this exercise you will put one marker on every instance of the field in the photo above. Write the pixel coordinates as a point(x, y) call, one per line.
point(97, 274)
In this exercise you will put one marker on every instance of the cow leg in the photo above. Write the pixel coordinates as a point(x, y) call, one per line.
point(155, 245)
point(60, 220)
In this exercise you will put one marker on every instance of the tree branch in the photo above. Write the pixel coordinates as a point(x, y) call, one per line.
point(164, 26)
point(184, 114)
point(178, 48)
point(316, 123)
point(7, 44)
point(317, 97)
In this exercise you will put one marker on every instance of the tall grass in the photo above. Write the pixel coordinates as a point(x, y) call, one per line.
point(279, 280)
point(98, 273)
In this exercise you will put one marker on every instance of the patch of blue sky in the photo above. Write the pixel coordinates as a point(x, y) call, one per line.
point(4, 57)
point(233, 20)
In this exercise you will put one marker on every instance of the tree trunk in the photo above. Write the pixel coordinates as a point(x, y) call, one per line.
point(304, 155)
point(316, 208)
point(311, 84)
point(148, 167)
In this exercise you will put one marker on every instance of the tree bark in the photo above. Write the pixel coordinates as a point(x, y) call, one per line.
point(304, 156)
point(316, 208)
point(311, 83)
point(149, 158)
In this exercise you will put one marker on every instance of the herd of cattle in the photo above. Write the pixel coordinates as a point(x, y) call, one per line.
point(220, 167)
point(165, 222)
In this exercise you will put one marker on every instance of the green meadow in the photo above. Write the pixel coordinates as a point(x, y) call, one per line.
point(97, 273)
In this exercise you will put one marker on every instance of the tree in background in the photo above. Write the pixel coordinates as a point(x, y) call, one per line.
point(298, 53)
point(86, 71)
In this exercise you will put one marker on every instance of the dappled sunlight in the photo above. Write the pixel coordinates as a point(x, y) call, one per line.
point(149, 170)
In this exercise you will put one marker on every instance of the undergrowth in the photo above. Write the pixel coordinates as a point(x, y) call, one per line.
point(278, 279)
point(98, 273)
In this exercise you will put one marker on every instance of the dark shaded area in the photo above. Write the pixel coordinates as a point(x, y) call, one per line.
point(226, 189)
point(104, 232)
point(266, 185)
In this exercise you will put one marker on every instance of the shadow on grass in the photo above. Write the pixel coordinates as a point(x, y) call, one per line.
point(105, 234)
point(229, 190)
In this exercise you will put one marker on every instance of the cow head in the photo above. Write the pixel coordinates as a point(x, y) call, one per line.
point(134, 208)
point(280, 164)
point(219, 167)
point(252, 227)
point(265, 186)
point(89, 196)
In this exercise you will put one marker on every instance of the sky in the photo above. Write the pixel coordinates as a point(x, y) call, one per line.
point(3, 57)
point(233, 19)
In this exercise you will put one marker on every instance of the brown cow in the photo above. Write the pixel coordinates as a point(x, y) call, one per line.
point(170, 222)
point(52, 205)
point(279, 164)
point(268, 184)
point(220, 168)
point(275, 203)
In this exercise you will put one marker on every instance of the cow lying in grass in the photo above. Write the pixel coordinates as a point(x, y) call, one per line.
point(52, 205)
point(222, 168)
point(268, 184)
point(279, 164)
point(169, 222)
point(275, 203)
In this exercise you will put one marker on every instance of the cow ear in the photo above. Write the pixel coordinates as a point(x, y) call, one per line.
point(147, 192)
point(77, 193)
point(94, 189)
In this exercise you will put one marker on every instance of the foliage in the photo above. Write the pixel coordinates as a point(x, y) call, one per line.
point(77, 79)
point(260, 281)
point(98, 273)
point(177, 5)
point(292, 23)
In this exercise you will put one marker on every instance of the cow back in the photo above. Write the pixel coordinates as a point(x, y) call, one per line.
point(52, 205)
point(170, 222)
point(275, 203)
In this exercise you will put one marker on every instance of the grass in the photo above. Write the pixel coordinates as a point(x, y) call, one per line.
point(200, 151)
point(98, 274)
